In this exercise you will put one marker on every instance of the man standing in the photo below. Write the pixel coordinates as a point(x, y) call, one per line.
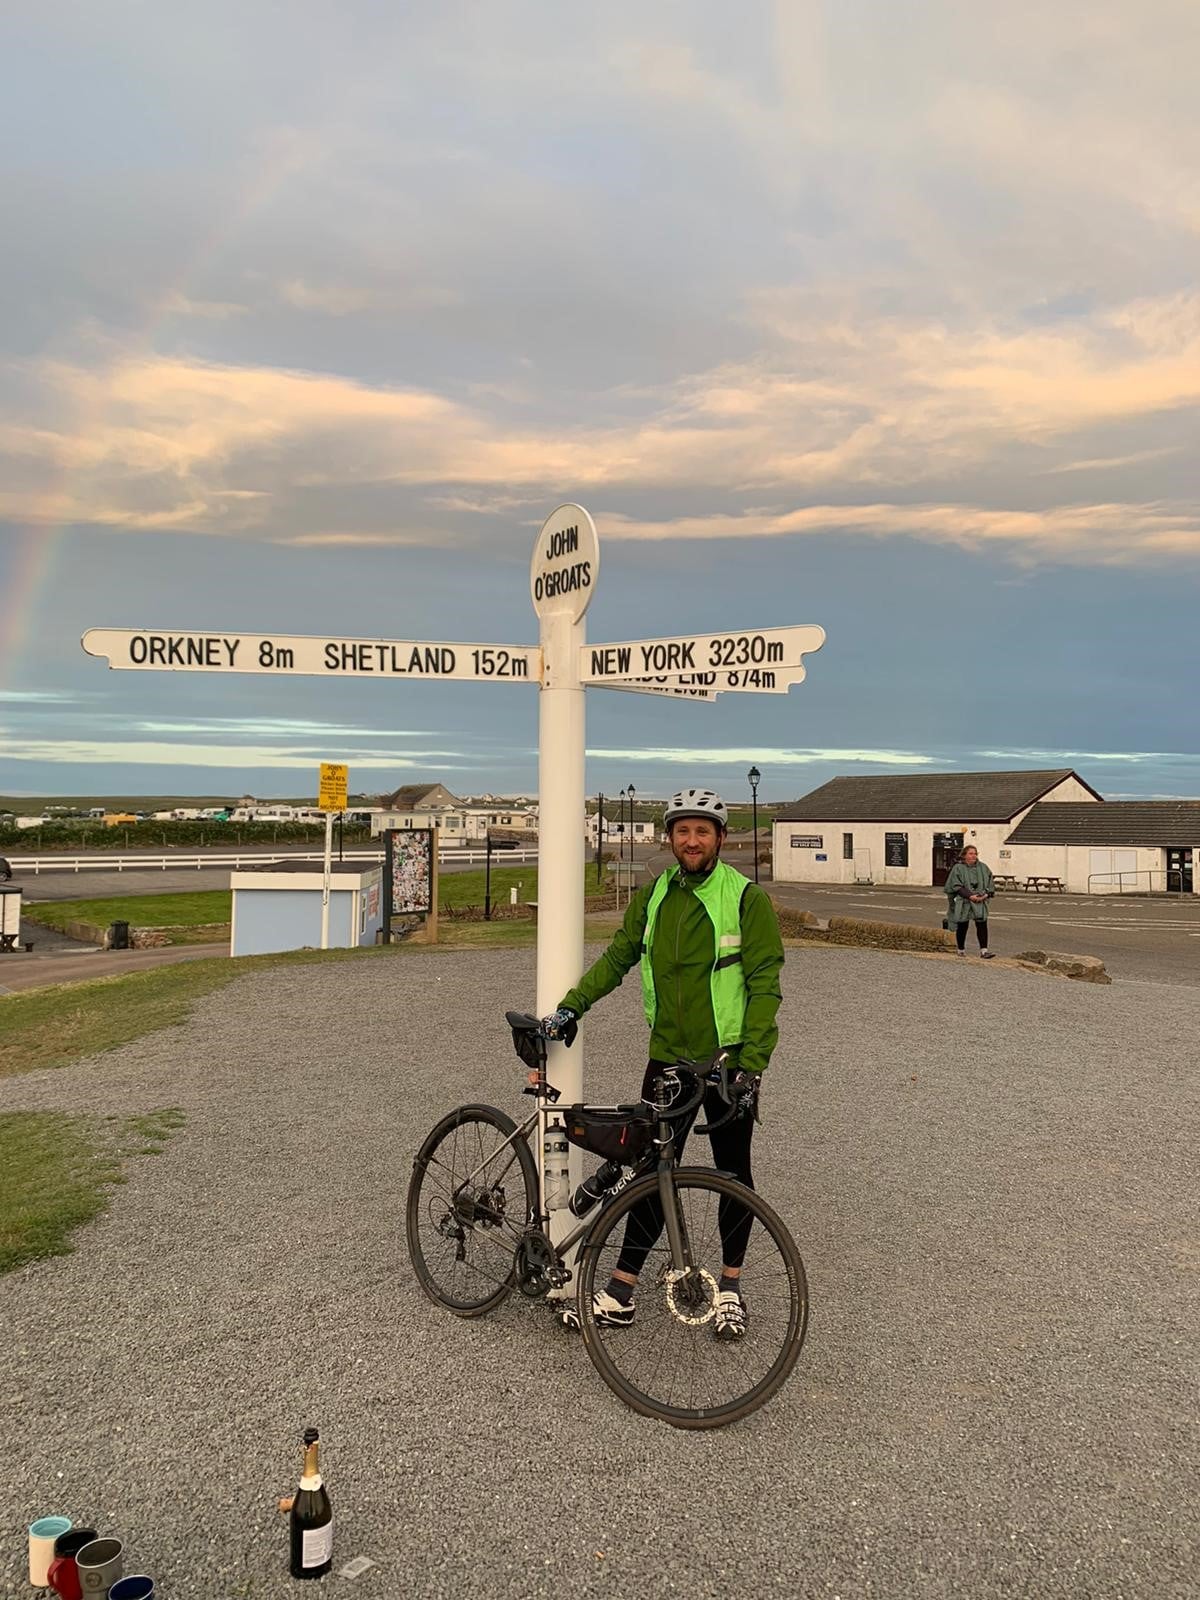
point(708, 944)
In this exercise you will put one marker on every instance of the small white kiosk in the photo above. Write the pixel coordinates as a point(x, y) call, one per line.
point(278, 906)
point(10, 917)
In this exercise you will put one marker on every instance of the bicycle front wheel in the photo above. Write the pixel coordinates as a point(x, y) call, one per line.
point(668, 1363)
point(474, 1188)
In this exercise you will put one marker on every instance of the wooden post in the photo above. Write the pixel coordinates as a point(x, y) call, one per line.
point(431, 921)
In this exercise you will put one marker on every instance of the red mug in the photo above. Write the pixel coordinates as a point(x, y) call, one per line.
point(63, 1575)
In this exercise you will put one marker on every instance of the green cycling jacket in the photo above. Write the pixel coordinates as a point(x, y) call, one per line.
point(673, 928)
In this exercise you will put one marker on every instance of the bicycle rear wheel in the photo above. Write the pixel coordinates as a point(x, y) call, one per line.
point(473, 1190)
point(667, 1362)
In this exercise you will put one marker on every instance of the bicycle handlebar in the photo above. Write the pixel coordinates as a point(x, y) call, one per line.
point(714, 1071)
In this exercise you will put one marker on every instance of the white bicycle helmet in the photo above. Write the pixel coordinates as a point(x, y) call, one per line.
point(697, 803)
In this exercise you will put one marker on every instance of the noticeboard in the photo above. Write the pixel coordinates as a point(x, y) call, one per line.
point(408, 872)
point(895, 849)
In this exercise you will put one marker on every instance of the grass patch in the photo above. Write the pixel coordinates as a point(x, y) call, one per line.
point(466, 888)
point(51, 1027)
point(58, 1170)
point(200, 908)
point(54, 1026)
point(485, 935)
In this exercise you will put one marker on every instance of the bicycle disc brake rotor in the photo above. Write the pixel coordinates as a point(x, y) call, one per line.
point(692, 1296)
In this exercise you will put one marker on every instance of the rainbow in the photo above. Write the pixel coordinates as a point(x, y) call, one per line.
point(27, 574)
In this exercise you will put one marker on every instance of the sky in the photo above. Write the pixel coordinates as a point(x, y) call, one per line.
point(879, 317)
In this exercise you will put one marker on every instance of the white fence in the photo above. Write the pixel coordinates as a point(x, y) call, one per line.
point(110, 862)
point(1143, 880)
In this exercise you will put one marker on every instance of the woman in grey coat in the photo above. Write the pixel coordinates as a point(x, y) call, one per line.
point(969, 888)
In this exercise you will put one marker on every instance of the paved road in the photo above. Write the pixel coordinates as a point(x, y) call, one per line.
point(997, 1396)
point(79, 963)
point(1139, 940)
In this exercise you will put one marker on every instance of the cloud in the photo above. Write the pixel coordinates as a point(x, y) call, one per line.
point(41, 697)
point(149, 752)
point(1113, 534)
point(1126, 757)
point(841, 403)
point(777, 758)
point(178, 304)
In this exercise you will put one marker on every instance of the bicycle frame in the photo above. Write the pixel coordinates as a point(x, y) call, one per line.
point(663, 1159)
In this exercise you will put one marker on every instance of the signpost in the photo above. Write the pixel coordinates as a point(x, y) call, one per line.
point(717, 661)
point(562, 581)
point(155, 650)
point(333, 782)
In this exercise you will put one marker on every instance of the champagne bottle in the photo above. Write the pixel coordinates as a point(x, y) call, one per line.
point(311, 1518)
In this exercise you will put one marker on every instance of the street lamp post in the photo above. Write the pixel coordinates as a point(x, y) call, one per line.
point(487, 876)
point(754, 775)
point(632, 834)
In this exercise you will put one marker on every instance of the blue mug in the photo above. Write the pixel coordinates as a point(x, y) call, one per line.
point(133, 1588)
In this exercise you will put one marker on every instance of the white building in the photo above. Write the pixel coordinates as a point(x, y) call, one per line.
point(457, 821)
point(1121, 847)
point(909, 829)
point(617, 830)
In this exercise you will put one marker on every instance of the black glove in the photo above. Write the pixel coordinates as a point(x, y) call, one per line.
point(745, 1088)
point(561, 1024)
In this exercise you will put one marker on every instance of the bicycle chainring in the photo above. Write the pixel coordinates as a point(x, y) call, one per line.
point(538, 1269)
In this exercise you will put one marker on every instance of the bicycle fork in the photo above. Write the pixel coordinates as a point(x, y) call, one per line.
point(677, 1237)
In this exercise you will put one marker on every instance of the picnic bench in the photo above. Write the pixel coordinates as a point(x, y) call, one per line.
point(1003, 880)
point(1040, 881)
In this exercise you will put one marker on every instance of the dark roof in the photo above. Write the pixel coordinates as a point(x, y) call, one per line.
point(295, 864)
point(412, 796)
point(927, 797)
point(1116, 822)
point(615, 811)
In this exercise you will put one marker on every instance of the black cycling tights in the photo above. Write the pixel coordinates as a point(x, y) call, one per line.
point(731, 1153)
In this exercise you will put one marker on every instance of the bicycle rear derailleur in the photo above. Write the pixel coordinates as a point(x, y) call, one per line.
point(538, 1268)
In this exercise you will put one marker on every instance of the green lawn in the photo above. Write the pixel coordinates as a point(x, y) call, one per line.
point(205, 908)
point(198, 908)
point(58, 1169)
point(53, 1026)
point(466, 888)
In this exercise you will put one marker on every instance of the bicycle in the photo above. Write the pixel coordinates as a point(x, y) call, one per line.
point(478, 1228)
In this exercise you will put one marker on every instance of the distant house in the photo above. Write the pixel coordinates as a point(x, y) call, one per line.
point(618, 828)
point(457, 821)
point(909, 828)
point(418, 797)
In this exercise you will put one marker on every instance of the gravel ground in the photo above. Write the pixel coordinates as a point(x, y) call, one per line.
point(991, 1176)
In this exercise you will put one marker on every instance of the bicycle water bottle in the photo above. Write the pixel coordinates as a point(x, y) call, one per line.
point(556, 1173)
point(591, 1189)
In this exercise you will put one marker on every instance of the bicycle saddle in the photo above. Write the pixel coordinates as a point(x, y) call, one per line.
point(519, 1022)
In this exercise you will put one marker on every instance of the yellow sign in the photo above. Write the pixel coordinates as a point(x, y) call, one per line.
point(334, 786)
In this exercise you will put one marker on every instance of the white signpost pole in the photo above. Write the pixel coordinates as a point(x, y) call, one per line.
point(566, 561)
point(325, 882)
